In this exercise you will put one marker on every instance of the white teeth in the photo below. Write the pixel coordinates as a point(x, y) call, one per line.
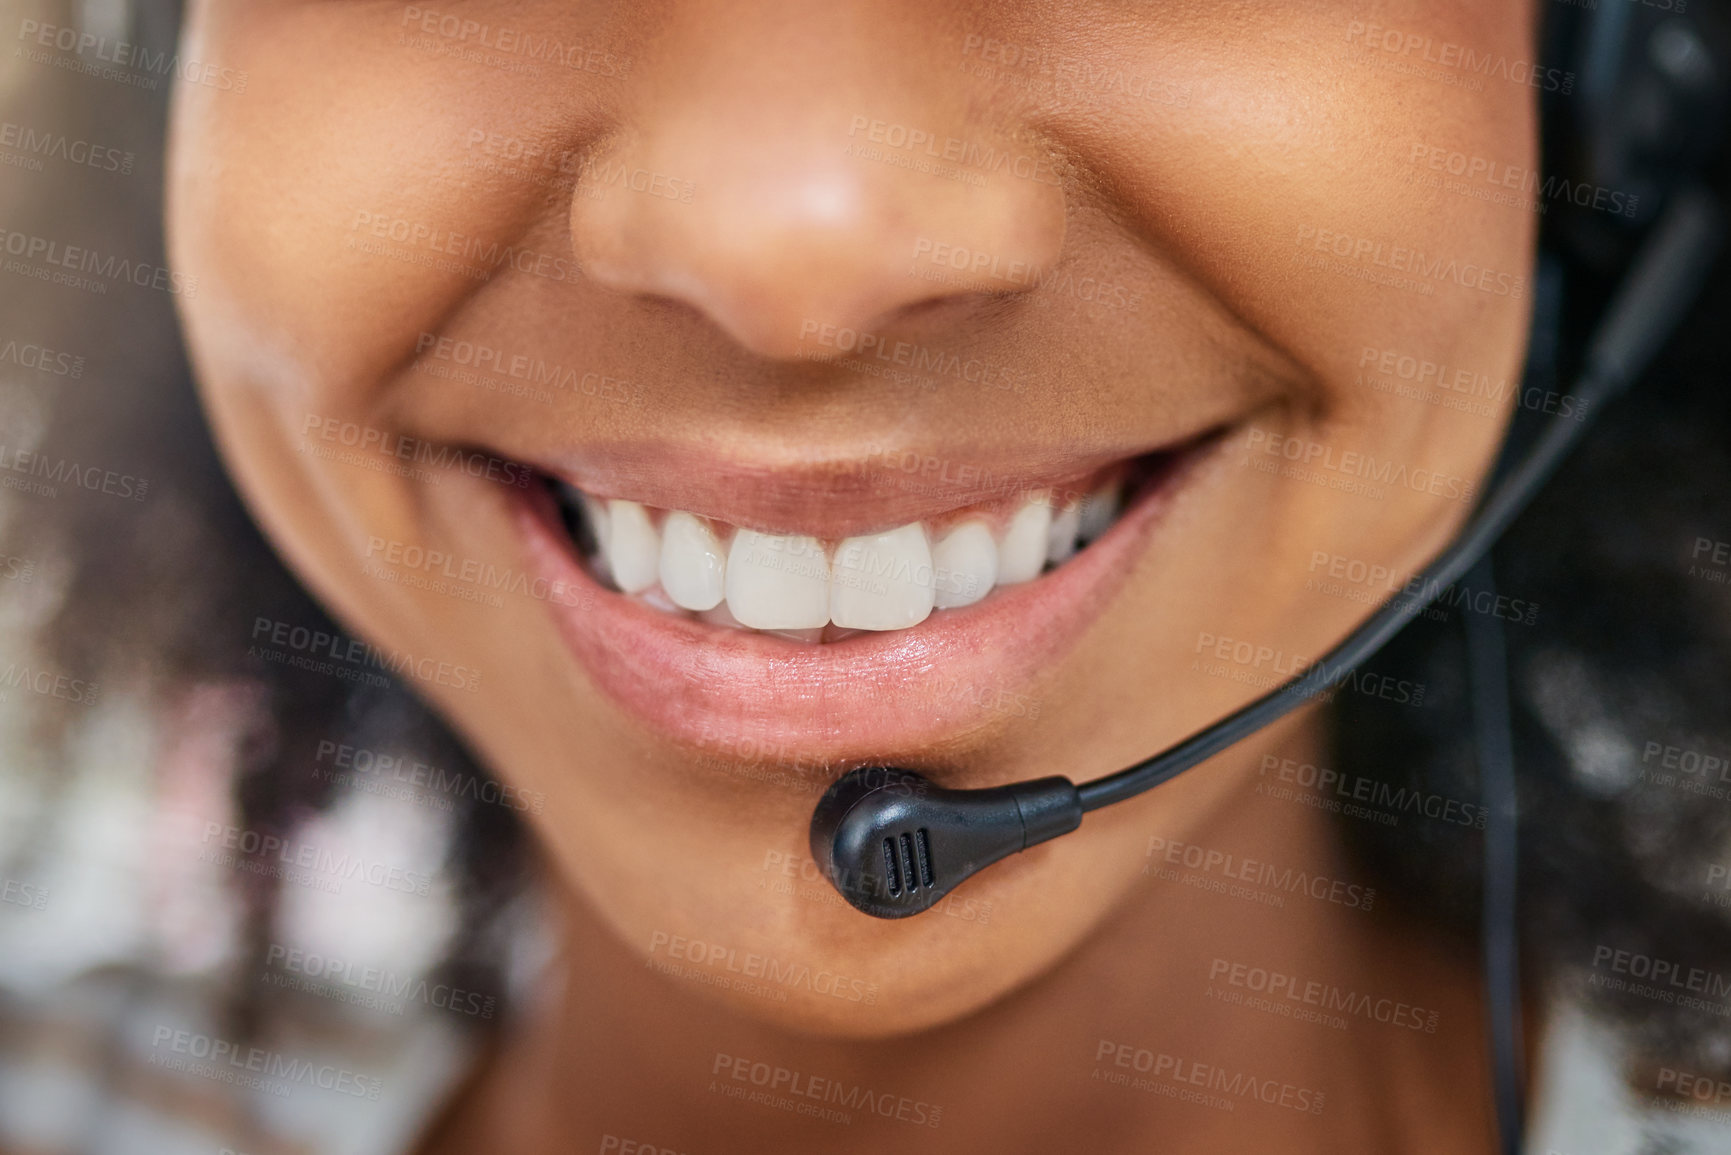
point(1023, 554)
point(596, 512)
point(965, 561)
point(721, 616)
point(810, 637)
point(595, 517)
point(882, 581)
point(792, 586)
point(692, 564)
point(657, 597)
point(1061, 536)
point(633, 547)
point(1099, 510)
point(777, 582)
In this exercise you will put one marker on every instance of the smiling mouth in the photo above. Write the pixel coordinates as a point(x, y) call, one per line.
point(841, 620)
point(817, 590)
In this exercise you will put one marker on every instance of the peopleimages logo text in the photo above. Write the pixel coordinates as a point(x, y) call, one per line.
point(322, 644)
point(125, 54)
point(1462, 58)
point(1416, 262)
point(217, 1053)
point(58, 254)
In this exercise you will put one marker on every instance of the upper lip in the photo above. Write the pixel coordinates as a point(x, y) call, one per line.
point(827, 497)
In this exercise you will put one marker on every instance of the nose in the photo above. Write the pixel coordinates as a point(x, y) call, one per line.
point(779, 198)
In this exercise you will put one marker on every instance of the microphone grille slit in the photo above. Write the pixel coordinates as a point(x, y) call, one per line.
point(892, 869)
point(908, 862)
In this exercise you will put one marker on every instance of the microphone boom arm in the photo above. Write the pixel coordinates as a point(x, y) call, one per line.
point(893, 844)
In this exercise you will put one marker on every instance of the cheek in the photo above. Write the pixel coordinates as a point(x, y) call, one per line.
point(1291, 186)
point(329, 211)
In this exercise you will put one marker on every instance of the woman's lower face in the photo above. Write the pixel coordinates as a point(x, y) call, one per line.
point(696, 400)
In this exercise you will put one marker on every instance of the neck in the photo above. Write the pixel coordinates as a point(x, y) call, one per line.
point(1253, 992)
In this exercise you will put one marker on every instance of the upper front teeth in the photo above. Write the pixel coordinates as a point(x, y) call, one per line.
point(885, 581)
point(967, 556)
point(691, 563)
point(1022, 555)
point(777, 582)
point(793, 584)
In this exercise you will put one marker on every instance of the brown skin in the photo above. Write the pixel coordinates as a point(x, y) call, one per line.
point(1274, 122)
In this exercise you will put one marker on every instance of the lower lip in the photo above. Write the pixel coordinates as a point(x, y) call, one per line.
point(887, 697)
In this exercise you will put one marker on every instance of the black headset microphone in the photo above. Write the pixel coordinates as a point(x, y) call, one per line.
point(893, 843)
